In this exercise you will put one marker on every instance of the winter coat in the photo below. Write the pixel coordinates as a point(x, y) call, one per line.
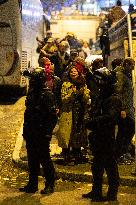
point(72, 131)
point(124, 89)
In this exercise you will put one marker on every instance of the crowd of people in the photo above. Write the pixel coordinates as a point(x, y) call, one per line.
point(79, 97)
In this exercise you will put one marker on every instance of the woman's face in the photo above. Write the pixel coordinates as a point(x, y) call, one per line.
point(74, 74)
point(85, 45)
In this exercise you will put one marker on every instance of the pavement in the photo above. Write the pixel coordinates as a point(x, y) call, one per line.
point(80, 172)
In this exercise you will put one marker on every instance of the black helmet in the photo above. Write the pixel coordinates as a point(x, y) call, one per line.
point(103, 74)
point(37, 78)
point(105, 80)
point(34, 73)
point(39, 74)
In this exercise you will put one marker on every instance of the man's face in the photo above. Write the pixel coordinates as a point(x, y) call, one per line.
point(62, 48)
point(73, 55)
point(100, 65)
point(49, 35)
point(130, 66)
point(50, 44)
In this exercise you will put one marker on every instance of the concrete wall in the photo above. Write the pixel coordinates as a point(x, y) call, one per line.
point(84, 28)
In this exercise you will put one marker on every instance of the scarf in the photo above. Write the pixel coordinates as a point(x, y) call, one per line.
point(49, 78)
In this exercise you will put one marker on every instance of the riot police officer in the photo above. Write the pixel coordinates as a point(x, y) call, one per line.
point(104, 113)
point(39, 121)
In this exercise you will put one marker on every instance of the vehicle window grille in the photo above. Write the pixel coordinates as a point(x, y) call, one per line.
point(24, 60)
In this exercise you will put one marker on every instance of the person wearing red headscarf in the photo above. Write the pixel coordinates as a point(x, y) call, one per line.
point(53, 82)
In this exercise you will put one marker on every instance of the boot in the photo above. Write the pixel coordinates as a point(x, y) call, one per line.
point(112, 194)
point(95, 197)
point(29, 189)
point(32, 185)
point(48, 190)
point(111, 197)
point(96, 194)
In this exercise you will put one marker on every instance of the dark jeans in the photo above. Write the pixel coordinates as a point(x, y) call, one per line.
point(126, 130)
point(38, 152)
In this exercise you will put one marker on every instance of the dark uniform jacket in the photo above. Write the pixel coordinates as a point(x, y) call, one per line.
point(40, 115)
point(104, 115)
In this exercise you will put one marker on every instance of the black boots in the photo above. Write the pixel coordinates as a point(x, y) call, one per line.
point(94, 197)
point(111, 197)
point(32, 189)
point(112, 194)
point(32, 185)
point(97, 196)
point(49, 187)
point(48, 190)
point(28, 189)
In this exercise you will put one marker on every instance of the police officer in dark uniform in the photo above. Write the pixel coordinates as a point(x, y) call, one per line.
point(104, 113)
point(105, 45)
point(40, 119)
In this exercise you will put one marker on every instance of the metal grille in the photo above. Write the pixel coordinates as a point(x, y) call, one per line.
point(23, 66)
point(24, 60)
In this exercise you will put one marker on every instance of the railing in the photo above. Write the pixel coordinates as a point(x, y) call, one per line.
point(119, 30)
